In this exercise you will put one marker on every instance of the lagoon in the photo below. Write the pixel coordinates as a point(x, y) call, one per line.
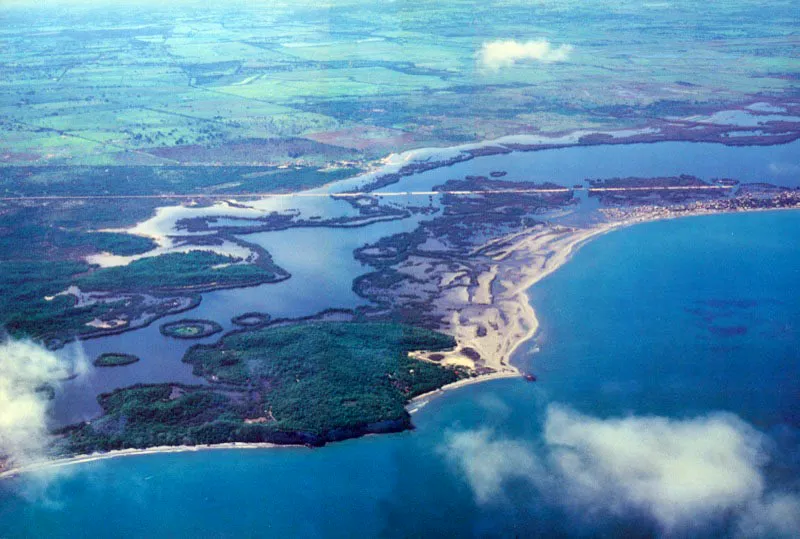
point(321, 261)
point(671, 319)
point(572, 165)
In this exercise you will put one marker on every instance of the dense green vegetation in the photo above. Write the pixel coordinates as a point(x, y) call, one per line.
point(328, 375)
point(25, 285)
point(43, 249)
point(190, 329)
point(43, 246)
point(23, 239)
point(114, 359)
point(303, 383)
point(145, 416)
point(175, 271)
point(333, 363)
point(68, 228)
point(24, 309)
point(119, 243)
point(41, 254)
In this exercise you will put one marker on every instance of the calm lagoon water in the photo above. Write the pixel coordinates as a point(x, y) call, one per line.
point(674, 319)
point(570, 166)
point(322, 266)
point(321, 259)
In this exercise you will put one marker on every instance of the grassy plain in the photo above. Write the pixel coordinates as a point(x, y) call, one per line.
point(80, 88)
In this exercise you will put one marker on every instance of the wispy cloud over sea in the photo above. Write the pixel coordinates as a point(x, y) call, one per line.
point(680, 474)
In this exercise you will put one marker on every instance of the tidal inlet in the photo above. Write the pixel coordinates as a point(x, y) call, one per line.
point(399, 269)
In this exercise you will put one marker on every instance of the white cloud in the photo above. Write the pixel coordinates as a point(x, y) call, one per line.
point(488, 463)
point(677, 471)
point(682, 474)
point(25, 367)
point(777, 516)
point(505, 53)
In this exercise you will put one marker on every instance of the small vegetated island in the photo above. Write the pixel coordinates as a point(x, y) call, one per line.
point(190, 329)
point(251, 319)
point(115, 359)
point(306, 383)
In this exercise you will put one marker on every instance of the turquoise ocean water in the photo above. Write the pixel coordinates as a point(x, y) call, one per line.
point(674, 319)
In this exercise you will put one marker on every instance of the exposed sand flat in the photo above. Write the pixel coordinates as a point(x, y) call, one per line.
point(454, 278)
point(100, 324)
point(82, 299)
point(482, 294)
point(497, 317)
point(523, 260)
point(226, 248)
point(457, 294)
point(497, 328)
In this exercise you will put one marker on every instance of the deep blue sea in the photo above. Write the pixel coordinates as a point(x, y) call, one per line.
point(665, 346)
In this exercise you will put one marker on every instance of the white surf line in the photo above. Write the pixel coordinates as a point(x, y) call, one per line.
point(366, 193)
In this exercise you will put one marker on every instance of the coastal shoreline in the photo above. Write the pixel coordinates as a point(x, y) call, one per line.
point(492, 322)
point(415, 404)
point(514, 302)
point(419, 401)
point(116, 453)
point(523, 260)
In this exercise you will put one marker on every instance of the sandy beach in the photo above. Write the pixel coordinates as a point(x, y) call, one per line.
point(418, 402)
point(522, 260)
point(413, 406)
point(82, 459)
point(496, 319)
point(493, 320)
